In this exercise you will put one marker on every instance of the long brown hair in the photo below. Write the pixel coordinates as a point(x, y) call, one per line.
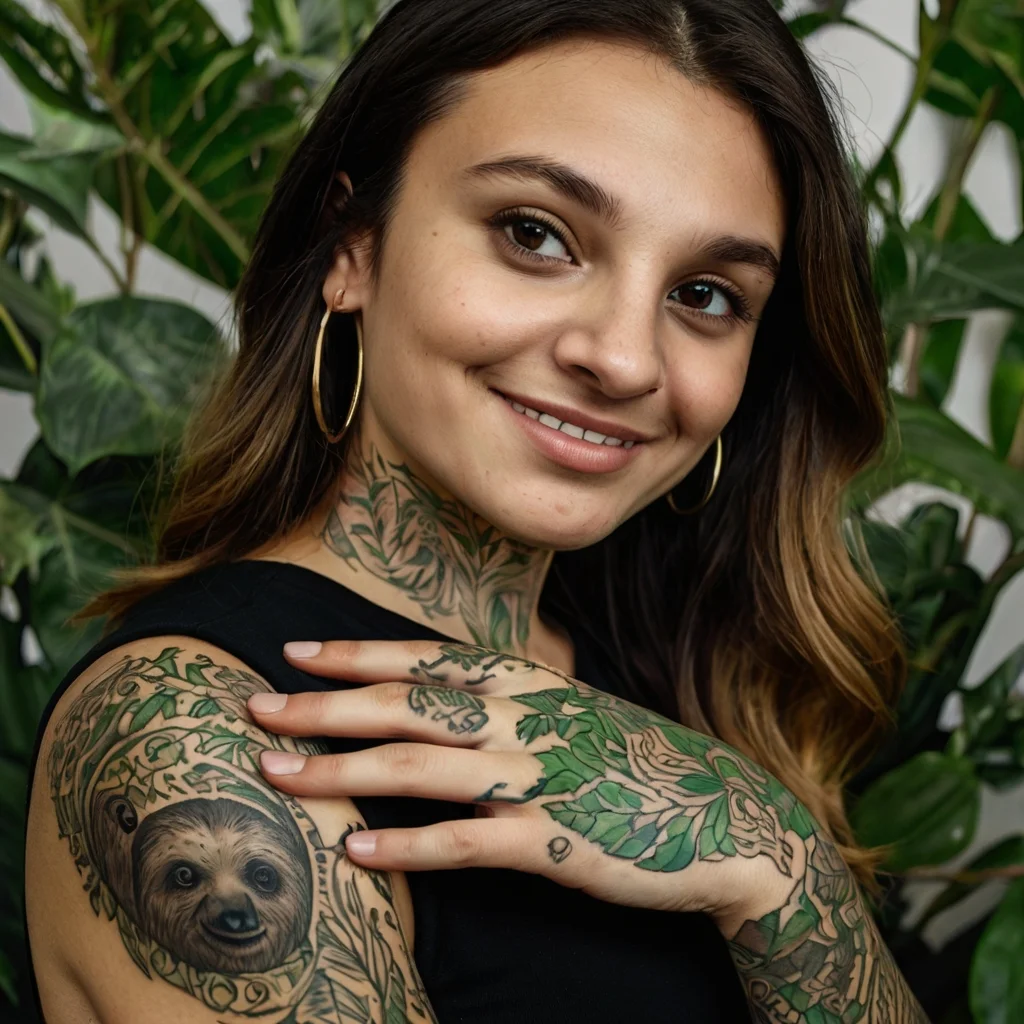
point(747, 620)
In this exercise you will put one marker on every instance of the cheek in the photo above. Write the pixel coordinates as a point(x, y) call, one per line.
point(706, 382)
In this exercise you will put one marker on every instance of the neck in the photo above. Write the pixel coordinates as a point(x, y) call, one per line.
point(401, 543)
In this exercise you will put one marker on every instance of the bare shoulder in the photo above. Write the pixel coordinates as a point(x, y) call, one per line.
point(162, 871)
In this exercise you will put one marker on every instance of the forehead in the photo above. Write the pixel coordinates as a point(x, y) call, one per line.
point(664, 145)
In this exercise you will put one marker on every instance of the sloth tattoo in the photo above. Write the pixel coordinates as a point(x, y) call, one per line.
point(216, 883)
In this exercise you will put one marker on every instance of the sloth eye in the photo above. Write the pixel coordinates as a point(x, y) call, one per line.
point(182, 876)
point(263, 876)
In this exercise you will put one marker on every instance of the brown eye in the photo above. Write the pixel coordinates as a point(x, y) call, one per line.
point(532, 237)
point(528, 233)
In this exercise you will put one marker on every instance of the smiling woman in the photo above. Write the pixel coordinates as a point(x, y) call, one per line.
point(557, 349)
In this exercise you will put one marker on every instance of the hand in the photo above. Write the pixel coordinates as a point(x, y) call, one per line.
point(570, 782)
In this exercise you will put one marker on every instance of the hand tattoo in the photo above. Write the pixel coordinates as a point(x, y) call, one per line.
point(649, 790)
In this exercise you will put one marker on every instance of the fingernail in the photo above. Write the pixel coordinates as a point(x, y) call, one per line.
point(303, 648)
point(362, 844)
point(267, 703)
point(277, 762)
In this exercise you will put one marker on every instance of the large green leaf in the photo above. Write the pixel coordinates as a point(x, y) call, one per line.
point(939, 359)
point(926, 811)
point(121, 376)
point(997, 981)
point(985, 707)
point(992, 31)
point(926, 445)
point(57, 185)
point(41, 58)
point(34, 310)
point(97, 522)
point(22, 540)
point(1006, 396)
point(950, 280)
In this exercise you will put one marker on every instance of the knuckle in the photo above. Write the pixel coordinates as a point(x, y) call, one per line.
point(406, 758)
point(391, 696)
point(461, 846)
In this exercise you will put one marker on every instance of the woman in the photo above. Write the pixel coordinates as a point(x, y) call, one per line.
point(535, 263)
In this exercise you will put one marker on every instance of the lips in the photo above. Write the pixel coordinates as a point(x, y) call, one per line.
point(580, 423)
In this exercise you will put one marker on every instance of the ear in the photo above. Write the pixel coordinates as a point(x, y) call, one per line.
point(349, 271)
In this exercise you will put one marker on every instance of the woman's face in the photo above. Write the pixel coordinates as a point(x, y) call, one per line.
point(587, 234)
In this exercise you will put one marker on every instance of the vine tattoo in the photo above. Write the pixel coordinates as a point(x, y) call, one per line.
point(218, 883)
point(438, 553)
point(652, 791)
point(462, 711)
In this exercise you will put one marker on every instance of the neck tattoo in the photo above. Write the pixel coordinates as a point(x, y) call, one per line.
point(442, 556)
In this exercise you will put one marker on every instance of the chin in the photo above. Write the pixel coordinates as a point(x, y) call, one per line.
point(553, 528)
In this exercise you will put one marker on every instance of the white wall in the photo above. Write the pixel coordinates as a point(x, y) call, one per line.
point(874, 82)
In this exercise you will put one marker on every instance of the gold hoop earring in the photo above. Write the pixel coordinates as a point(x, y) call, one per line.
point(318, 409)
point(711, 490)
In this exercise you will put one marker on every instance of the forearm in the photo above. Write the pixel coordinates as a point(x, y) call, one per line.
point(819, 955)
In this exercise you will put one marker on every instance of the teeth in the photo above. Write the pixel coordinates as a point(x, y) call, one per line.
point(569, 428)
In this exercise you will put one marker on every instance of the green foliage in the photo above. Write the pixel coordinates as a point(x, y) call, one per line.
point(150, 109)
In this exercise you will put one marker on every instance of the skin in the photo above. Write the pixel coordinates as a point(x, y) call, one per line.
point(625, 318)
point(609, 322)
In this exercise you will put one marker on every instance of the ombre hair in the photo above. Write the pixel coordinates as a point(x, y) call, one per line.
point(747, 620)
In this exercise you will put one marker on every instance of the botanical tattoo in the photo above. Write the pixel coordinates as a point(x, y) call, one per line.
point(218, 883)
point(652, 791)
point(435, 550)
point(559, 848)
point(462, 711)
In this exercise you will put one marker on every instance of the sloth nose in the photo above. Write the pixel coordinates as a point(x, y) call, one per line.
point(234, 915)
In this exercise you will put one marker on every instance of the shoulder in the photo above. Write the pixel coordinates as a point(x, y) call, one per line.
point(195, 871)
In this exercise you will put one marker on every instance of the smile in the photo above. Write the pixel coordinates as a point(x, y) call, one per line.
point(235, 939)
point(593, 436)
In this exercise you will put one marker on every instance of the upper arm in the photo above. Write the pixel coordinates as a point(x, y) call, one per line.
point(208, 895)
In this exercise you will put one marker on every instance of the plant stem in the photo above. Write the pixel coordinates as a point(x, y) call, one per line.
point(1015, 456)
point(915, 337)
point(150, 150)
point(961, 160)
point(24, 350)
point(966, 877)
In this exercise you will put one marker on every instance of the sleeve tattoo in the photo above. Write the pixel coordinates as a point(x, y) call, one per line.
point(216, 882)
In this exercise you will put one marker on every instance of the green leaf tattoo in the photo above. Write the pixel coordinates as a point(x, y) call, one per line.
point(442, 556)
point(651, 791)
point(217, 882)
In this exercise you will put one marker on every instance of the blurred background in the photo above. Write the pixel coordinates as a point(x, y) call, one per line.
point(139, 140)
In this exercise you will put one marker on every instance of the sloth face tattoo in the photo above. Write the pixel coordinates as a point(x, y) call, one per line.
point(218, 883)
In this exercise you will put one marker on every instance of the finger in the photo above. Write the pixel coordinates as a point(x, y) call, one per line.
point(433, 714)
point(503, 842)
point(408, 769)
point(447, 664)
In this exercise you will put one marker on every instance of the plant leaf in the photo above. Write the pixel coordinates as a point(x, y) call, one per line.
point(120, 377)
point(996, 981)
point(926, 810)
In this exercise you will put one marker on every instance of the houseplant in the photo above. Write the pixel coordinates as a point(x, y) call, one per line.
point(151, 110)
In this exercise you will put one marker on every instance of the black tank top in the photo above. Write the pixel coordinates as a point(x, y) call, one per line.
point(493, 946)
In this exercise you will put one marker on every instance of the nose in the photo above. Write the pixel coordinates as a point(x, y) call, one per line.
point(233, 914)
point(615, 343)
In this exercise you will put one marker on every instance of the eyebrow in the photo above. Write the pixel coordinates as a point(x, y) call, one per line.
point(586, 192)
